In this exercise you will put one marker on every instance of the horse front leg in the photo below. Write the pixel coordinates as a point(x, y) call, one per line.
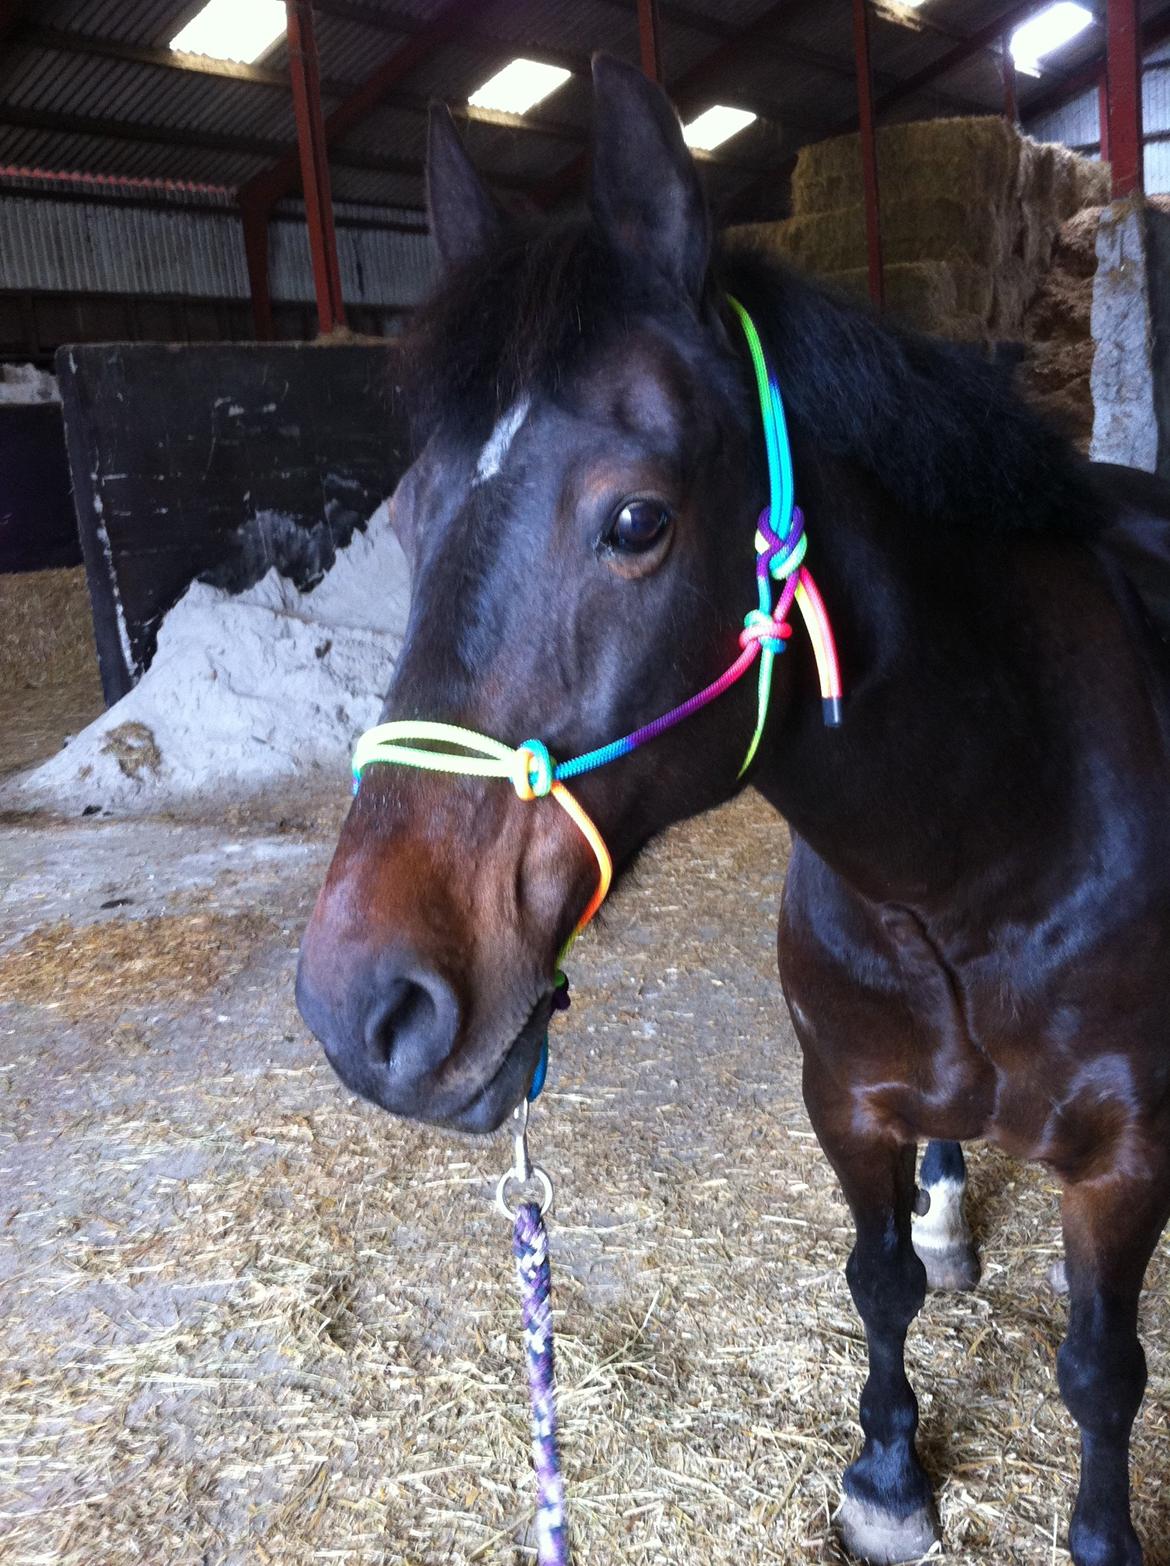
point(888, 1513)
point(942, 1236)
point(1111, 1226)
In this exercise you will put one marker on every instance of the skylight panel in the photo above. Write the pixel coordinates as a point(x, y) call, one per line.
point(240, 30)
point(1046, 32)
point(518, 87)
point(715, 126)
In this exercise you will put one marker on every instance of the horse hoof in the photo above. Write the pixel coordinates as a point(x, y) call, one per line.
point(955, 1268)
point(1058, 1277)
point(883, 1539)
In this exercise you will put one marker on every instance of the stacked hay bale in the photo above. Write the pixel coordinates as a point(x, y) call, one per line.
point(46, 631)
point(48, 662)
point(970, 212)
point(49, 685)
point(1057, 370)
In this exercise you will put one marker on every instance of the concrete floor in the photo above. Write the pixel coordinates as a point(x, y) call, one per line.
point(249, 1319)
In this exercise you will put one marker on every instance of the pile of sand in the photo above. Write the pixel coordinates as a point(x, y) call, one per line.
point(25, 383)
point(243, 691)
point(971, 209)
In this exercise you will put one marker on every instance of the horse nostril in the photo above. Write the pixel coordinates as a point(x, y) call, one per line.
point(412, 1024)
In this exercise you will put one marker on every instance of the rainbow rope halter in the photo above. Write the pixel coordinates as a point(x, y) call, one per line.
point(781, 545)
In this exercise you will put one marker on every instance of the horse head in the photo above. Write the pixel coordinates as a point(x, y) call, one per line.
point(579, 519)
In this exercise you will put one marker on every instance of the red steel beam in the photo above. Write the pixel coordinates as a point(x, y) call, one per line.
point(1125, 97)
point(985, 38)
point(974, 43)
point(255, 220)
point(305, 72)
point(1094, 72)
point(869, 156)
point(1103, 115)
point(650, 39)
point(1011, 98)
point(686, 89)
point(276, 182)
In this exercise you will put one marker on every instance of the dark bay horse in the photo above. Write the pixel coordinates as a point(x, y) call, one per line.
point(975, 933)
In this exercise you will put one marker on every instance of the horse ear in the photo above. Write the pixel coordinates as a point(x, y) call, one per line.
point(646, 192)
point(464, 219)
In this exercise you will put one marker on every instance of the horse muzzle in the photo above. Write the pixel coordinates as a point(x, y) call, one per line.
point(397, 1038)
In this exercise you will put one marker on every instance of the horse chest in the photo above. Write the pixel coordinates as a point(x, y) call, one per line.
point(1008, 1047)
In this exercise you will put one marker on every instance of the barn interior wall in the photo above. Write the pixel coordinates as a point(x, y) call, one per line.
point(33, 325)
point(1077, 122)
point(92, 270)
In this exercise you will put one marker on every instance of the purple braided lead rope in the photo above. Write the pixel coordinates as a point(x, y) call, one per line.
point(530, 1248)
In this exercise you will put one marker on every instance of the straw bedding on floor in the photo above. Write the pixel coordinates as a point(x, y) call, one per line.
point(250, 1320)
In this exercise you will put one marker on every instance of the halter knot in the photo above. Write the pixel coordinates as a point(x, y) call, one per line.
point(759, 627)
point(779, 557)
point(532, 776)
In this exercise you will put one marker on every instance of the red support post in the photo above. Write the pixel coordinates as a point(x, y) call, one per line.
point(305, 72)
point(1125, 97)
point(255, 218)
point(1103, 115)
point(869, 157)
point(649, 39)
point(1011, 101)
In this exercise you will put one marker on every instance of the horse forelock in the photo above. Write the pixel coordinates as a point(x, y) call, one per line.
point(519, 321)
point(938, 424)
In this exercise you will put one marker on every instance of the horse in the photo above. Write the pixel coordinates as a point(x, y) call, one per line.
point(974, 939)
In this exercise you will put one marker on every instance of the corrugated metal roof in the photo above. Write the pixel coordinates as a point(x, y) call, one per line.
point(128, 116)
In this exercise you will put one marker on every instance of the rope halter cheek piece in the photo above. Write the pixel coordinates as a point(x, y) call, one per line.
point(781, 545)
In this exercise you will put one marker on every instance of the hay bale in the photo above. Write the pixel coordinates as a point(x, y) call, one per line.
point(970, 215)
point(1056, 375)
point(941, 228)
point(983, 157)
point(46, 630)
point(978, 156)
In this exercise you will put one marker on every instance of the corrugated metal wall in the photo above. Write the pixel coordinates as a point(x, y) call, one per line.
point(1076, 122)
point(192, 250)
point(378, 266)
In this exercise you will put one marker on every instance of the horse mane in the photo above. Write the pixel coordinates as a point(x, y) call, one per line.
point(937, 424)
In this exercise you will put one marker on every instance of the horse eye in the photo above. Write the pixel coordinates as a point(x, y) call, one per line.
point(638, 526)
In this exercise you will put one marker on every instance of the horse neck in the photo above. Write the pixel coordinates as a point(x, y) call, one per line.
point(924, 785)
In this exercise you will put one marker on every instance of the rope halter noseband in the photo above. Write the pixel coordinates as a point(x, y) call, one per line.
point(781, 546)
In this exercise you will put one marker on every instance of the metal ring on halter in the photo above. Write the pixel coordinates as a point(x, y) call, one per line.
point(510, 1177)
point(523, 1170)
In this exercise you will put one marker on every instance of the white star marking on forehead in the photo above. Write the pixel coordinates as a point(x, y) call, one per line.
point(499, 442)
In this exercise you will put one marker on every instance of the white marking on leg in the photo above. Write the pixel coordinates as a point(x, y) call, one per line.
point(942, 1239)
point(499, 442)
point(882, 1538)
point(943, 1227)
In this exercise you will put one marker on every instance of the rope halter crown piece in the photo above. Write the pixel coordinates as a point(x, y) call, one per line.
point(781, 546)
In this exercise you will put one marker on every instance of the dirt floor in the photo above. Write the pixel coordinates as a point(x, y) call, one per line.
point(249, 1319)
